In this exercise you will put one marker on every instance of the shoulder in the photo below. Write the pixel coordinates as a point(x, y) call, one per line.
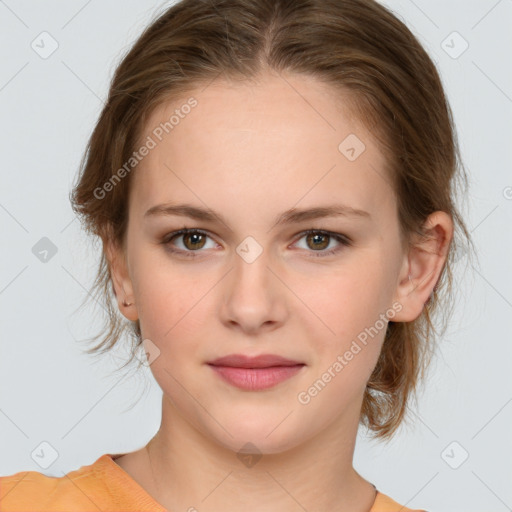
point(97, 486)
point(384, 503)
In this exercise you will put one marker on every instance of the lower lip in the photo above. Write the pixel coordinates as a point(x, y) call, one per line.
point(255, 379)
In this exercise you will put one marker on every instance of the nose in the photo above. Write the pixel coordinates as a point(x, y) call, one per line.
point(254, 297)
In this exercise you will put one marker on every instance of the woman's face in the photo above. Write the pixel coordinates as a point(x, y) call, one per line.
point(262, 157)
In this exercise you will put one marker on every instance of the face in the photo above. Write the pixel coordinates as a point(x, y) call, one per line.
point(251, 280)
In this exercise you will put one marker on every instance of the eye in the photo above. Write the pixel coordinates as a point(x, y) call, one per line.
point(320, 240)
point(192, 241)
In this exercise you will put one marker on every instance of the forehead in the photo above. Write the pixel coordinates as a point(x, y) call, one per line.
point(290, 137)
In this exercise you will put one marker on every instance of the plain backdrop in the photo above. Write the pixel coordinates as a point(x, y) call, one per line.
point(456, 455)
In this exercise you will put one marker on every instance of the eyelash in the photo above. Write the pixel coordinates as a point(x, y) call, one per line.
point(342, 239)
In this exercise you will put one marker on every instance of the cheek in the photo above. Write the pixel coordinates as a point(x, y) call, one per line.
point(171, 303)
point(346, 340)
point(168, 305)
point(339, 306)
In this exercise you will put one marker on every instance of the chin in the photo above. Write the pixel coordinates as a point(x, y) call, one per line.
point(258, 435)
point(256, 445)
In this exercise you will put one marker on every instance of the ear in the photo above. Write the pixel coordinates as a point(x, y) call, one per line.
point(423, 263)
point(123, 288)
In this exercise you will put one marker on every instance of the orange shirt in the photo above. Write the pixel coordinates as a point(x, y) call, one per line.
point(101, 486)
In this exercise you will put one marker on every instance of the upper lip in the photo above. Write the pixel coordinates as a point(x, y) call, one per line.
point(261, 361)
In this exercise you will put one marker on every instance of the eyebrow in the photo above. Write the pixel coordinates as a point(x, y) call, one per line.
point(291, 216)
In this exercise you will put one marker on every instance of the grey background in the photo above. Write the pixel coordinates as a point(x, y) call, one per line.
point(53, 393)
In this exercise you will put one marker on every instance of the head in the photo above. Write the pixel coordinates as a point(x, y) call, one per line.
point(254, 111)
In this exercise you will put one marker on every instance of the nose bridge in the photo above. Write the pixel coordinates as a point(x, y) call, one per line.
point(253, 297)
point(251, 265)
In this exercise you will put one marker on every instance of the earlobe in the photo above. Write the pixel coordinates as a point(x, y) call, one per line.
point(121, 281)
point(422, 266)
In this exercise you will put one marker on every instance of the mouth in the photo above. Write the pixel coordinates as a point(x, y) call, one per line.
point(255, 373)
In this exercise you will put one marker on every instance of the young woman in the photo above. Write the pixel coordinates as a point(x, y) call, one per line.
point(272, 181)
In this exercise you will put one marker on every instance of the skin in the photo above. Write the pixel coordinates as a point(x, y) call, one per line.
point(250, 152)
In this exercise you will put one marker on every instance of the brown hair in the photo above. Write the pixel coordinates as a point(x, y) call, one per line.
point(356, 46)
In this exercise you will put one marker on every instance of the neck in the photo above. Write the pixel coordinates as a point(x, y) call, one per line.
point(190, 471)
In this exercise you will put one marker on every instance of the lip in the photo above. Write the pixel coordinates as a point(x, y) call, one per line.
point(255, 373)
point(261, 361)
